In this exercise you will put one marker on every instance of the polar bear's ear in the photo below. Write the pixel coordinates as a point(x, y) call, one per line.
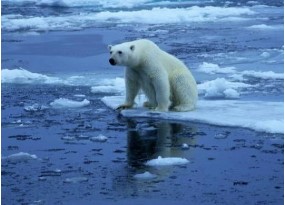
point(132, 47)
point(109, 47)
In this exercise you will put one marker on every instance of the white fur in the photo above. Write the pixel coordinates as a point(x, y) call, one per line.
point(165, 80)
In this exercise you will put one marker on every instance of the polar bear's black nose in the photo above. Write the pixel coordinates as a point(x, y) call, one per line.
point(112, 61)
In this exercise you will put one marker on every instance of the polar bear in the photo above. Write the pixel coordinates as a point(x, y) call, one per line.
point(165, 80)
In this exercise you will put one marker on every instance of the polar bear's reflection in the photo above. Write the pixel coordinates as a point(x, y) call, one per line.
point(150, 139)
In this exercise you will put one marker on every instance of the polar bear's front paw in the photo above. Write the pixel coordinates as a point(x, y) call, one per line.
point(183, 108)
point(161, 109)
point(124, 106)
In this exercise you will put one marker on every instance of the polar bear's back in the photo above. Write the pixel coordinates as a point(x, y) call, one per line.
point(150, 50)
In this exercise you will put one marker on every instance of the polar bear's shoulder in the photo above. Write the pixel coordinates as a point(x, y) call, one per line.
point(144, 44)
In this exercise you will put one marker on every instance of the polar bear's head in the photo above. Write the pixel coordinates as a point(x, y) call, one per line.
point(123, 54)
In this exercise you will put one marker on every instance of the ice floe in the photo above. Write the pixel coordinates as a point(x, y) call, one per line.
point(152, 16)
point(66, 103)
point(75, 180)
point(221, 88)
point(145, 176)
point(261, 116)
point(80, 95)
point(99, 138)
point(167, 161)
point(263, 74)
point(116, 85)
point(184, 146)
point(35, 108)
point(266, 27)
point(20, 157)
point(23, 76)
point(212, 68)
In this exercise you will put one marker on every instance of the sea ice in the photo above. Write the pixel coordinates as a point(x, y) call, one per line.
point(145, 176)
point(167, 161)
point(263, 74)
point(116, 85)
point(75, 180)
point(20, 157)
point(35, 108)
point(99, 138)
point(66, 103)
point(185, 146)
point(211, 68)
point(265, 27)
point(221, 88)
point(261, 116)
point(23, 76)
point(175, 15)
point(80, 95)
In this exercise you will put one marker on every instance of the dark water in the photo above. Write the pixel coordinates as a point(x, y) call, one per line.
point(227, 165)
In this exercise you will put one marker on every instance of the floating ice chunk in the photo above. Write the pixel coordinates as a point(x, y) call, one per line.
point(80, 95)
point(221, 88)
point(99, 138)
point(145, 176)
point(82, 137)
point(263, 75)
point(238, 77)
point(35, 108)
point(66, 103)
point(116, 85)
point(252, 2)
point(231, 93)
point(257, 74)
point(184, 146)
point(23, 76)
point(266, 27)
point(265, 54)
point(57, 170)
point(51, 173)
point(42, 178)
point(99, 110)
point(211, 68)
point(167, 161)
point(75, 180)
point(68, 138)
point(20, 157)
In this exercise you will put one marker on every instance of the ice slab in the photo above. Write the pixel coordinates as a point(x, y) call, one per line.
point(66, 103)
point(99, 138)
point(145, 176)
point(260, 116)
point(20, 157)
point(75, 180)
point(167, 161)
point(23, 76)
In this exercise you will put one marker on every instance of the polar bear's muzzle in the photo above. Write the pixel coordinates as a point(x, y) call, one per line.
point(112, 61)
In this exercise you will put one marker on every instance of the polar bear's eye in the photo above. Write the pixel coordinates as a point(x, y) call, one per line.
point(120, 52)
point(111, 52)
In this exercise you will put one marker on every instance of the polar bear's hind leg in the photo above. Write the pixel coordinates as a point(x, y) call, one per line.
point(185, 97)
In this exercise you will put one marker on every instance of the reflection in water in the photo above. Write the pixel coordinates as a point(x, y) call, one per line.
point(150, 139)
